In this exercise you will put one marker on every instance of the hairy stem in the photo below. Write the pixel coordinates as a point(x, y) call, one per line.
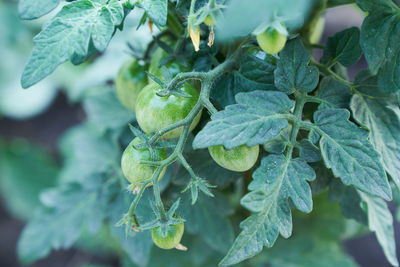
point(135, 202)
point(301, 99)
point(157, 195)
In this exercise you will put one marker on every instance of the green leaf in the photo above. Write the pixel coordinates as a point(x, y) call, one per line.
point(86, 152)
point(33, 9)
point(349, 200)
point(333, 94)
point(256, 72)
point(59, 224)
point(25, 170)
point(277, 179)
point(105, 111)
point(208, 217)
point(380, 221)
point(367, 84)
point(308, 151)
point(258, 117)
point(344, 47)
point(346, 150)
point(157, 10)
point(292, 71)
point(382, 117)
point(69, 34)
point(380, 41)
point(279, 143)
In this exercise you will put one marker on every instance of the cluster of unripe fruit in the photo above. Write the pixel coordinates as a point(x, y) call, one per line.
point(154, 112)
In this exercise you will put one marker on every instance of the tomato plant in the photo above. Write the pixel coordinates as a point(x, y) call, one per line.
point(258, 129)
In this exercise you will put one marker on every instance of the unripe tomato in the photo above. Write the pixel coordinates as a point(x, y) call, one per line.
point(134, 171)
point(130, 80)
point(317, 30)
point(173, 67)
point(238, 159)
point(271, 41)
point(171, 239)
point(209, 21)
point(154, 112)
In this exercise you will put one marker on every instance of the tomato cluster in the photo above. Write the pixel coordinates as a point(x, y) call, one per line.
point(155, 112)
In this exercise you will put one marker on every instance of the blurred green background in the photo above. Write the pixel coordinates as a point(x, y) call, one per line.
point(32, 122)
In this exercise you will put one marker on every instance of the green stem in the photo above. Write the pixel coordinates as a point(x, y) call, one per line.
point(192, 6)
point(327, 71)
point(313, 99)
point(301, 99)
point(187, 166)
point(135, 202)
point(157, 195)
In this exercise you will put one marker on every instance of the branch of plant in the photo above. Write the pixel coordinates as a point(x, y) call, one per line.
point(301, 99)
point(207, 80)
point(135, 202)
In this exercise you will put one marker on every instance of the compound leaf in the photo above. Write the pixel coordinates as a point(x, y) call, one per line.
point(333, 94)
point(256, 72)
point(382, 117)
point(157, 10)
point(346, 150)
point(380, 41)
point(258, 117)
point(60, 223)
point(33, 9)
point(292, 71)
point(343, 47)
point(277, 179)
point(380, 221)
point(69, 35)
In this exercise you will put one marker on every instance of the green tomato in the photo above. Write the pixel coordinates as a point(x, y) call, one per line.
point(154, 112)
point(173, 67)
point(317, 31)
point(271, 41)
point(209, 21)
point(134, 171)
point(130, 80)
point(171, 239)
point(238, 159)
